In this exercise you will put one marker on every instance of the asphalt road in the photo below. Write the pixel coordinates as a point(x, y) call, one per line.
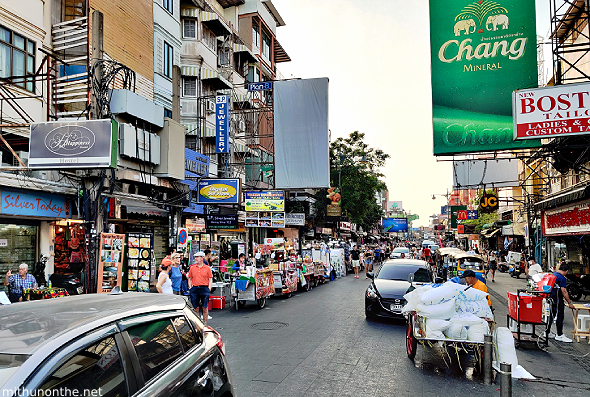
point(318, 343)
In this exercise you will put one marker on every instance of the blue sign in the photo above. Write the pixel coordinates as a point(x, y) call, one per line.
point(472, 214)
point(194, 208)
point(222, 124)
point(196, 165)
point(34, 204)
point(218, 191)
point(444, 210)
point(392, 225)
point(261, 86)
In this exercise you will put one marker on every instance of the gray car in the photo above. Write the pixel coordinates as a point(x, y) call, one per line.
point(130, 344)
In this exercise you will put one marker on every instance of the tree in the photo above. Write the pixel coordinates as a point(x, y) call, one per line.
point(354, 170)
point(482, 218)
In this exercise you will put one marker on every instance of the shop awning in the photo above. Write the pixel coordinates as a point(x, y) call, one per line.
point(215, 23)
point(213, 78)
point(280, 54)
point(192, 71)
point(142, 208)
point(190, 12)
point(243, 49)
point(564, 198)
point(193, 129)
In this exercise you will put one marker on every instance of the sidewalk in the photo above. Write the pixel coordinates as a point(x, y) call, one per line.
point(563, 367)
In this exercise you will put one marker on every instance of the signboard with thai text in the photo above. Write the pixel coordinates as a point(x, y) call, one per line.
point(270, 200)
point(567, 220)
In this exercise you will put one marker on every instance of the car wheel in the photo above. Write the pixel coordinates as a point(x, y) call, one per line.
point(574, 292)
point(411, 341)
point(261, 303)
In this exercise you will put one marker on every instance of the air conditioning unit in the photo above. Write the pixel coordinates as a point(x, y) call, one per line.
point(210, 106)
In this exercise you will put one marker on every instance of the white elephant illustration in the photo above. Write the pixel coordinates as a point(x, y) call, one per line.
point(464, 24)
point(497, 20)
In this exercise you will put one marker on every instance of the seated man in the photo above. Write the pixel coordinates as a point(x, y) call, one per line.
point(471, 279)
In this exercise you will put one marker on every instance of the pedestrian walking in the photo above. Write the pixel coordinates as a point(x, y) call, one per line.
point(164, 285)
point(176, 273)
point(200, 280)
point(493, 264)
point(559, 296)
point(355, 256)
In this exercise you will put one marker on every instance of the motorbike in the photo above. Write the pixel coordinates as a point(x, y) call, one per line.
point(578, 285)
point(503, 267)
point(68, 281)
point(516, 269)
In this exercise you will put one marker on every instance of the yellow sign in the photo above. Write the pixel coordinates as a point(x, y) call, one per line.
point(218, 191)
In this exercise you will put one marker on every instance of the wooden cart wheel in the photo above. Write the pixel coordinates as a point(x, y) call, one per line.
point(411, 341)
point(261, 303)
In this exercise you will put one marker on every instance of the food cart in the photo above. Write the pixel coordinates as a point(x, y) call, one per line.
point(307, 277)
point(252, 286)
point(284, 278)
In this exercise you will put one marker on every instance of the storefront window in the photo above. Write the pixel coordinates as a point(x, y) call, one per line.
point(18, 244)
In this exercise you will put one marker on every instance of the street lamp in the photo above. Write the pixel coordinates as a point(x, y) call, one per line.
point(447, 195)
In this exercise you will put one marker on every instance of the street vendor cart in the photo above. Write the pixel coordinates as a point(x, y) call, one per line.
point(284, 278)
point(253, 286)
point(307, 278)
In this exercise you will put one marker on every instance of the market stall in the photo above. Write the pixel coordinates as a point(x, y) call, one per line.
point(285, 278)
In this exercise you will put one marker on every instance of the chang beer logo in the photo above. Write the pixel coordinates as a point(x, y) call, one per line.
point(474, 20)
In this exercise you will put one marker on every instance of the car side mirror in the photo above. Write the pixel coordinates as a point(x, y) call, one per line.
point(411, 278)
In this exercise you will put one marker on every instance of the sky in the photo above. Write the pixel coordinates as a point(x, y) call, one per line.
point(376, 54)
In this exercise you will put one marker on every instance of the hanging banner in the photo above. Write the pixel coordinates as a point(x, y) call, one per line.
point(481, 51)
point(222, 124)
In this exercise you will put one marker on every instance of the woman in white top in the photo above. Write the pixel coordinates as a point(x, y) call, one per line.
point(164, 285)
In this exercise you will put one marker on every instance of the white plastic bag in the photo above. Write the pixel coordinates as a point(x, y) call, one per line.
point(437, 324)
point(438, 295)
point(472, 295)
point(505, 351)
point(443, 311)
point(478, 308)
point(476, 332)
point(456, 331)
point(465, 319)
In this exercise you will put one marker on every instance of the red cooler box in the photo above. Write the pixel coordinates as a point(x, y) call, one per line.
point(216, 302)
point(530, 307)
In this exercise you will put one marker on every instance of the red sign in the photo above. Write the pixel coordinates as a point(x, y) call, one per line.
point(570, 219)
point(461, 215)
point(460, 229)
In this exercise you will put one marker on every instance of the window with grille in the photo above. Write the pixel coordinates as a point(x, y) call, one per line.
point(190, 28)
point(17, 58)
point(190, 87)
point(73, 9)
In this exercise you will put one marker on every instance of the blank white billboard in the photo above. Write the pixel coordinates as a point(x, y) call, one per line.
point(475, 174)
point(301, 134)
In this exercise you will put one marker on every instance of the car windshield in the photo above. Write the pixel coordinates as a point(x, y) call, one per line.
point(400, 250)
point(9, 363)
point(472, 265)
point(397, 272)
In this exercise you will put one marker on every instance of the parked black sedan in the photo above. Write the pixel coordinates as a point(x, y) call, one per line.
point(131, 344)
point(384, 296)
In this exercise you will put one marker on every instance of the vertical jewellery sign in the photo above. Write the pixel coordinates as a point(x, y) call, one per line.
point(222, 124)
point(481, 51)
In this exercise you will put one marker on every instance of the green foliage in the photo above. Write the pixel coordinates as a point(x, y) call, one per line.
point(481, 220)
point(354, 169)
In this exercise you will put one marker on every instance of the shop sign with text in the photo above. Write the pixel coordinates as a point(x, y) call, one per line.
point(481, 51)
point(569, 219)
point(218, 191)
point(333, 210)
point(29, 203)
point(271, 200)
point(221, 221)
point(222, 124)
point(295, 219)
point(74, 144)
point(552, 111)
point(196, 225)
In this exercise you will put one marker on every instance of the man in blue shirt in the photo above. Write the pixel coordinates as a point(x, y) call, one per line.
point(19, 282)
point(559, 295)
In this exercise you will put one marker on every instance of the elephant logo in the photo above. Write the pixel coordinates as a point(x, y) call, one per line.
point(478, 11)
point(497, 20)
point(464, 25)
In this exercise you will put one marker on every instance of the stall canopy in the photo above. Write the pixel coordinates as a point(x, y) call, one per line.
point(142, 208)
point(487, 233)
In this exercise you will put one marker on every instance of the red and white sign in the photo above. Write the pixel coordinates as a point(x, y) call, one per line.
point(569, 219)
point(551, 111)
point(347, 226)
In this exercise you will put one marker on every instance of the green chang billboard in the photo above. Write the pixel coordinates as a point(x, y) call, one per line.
point(481, 51)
